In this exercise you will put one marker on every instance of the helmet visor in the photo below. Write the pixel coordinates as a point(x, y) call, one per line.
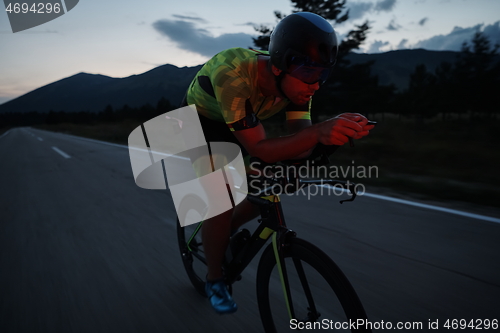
point(308, 71)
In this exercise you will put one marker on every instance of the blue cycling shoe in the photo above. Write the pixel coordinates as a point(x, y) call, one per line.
point(219, 297)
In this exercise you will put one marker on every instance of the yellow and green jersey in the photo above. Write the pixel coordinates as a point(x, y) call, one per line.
point(226, 90)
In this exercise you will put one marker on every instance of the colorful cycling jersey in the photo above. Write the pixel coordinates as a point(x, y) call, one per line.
point(226, 90)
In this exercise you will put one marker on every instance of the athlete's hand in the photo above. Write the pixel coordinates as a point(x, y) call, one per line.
point(336, 131)
point(361, 120)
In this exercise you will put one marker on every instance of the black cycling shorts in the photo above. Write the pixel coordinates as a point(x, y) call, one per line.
point(216, 131)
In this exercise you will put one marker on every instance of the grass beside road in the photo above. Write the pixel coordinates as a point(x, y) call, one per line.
point(446, 161)
point(454, 161)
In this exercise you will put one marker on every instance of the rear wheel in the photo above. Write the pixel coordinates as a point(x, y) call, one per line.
point(320, 296)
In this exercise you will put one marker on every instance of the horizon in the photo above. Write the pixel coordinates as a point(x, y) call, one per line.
point(136, 39)
point(167, 64)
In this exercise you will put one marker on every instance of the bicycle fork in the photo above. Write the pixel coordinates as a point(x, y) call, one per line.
point(279, 241)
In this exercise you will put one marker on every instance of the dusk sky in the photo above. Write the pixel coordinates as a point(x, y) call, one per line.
point(122, 38)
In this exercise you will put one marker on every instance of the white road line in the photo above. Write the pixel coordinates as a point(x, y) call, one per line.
point(4, 134)
point(39, 139)
point(61, 152)
point(125, 146)
point(375, 196)
point(421, 205)
point(96, 141)
point(441, 209)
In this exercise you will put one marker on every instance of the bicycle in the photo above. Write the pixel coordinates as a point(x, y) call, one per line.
point(306, 274)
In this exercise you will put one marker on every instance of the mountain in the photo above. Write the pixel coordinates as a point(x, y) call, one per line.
point(93, 92)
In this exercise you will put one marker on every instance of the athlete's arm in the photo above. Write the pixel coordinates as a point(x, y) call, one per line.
point(294, 126)
point(334, 131)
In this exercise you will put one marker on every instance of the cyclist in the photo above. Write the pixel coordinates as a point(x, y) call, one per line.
point(238, 88)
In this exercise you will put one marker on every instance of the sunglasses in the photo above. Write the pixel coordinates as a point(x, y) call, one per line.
point(308, 71)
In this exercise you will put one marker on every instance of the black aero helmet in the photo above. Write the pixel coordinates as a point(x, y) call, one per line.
point(304, 38)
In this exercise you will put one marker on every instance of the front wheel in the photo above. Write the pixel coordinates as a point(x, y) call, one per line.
point(320, 296)
point(190, 244)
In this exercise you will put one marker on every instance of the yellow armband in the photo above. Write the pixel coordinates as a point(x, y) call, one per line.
point(294, 115)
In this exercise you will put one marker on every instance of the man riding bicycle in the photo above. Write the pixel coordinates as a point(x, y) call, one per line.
point(238, 88)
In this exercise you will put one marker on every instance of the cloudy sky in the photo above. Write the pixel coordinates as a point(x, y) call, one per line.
point(119, 38)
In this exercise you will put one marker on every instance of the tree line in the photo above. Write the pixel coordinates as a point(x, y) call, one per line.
point(108, 114)
point(466, 87)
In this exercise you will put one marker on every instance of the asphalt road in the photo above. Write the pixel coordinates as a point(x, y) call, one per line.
point(83, 249)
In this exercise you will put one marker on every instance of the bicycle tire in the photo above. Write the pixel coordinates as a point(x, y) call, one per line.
point(328, 286)
point(193, 256)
